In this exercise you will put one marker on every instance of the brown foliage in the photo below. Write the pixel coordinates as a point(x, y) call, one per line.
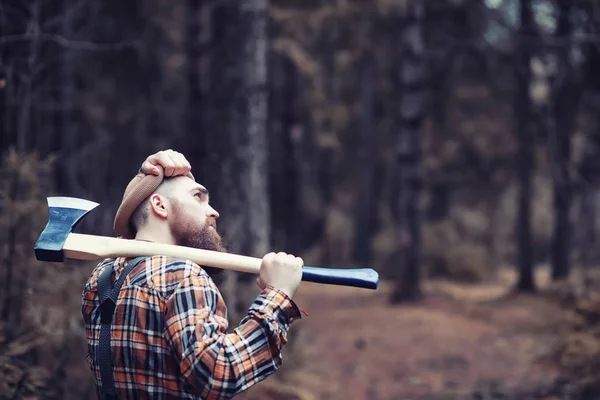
point(22, 208)
point(578, 349)
point(39, 325)
point(447, 255)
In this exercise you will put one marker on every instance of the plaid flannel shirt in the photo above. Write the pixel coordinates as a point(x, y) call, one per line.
point(169, 334)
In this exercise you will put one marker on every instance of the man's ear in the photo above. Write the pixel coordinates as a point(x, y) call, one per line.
point(158, 205)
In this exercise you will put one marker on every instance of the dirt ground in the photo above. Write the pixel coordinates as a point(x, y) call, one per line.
point(459, 342)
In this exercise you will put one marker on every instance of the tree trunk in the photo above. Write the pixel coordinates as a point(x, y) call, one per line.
point(492, 201)
point(565, 108)
point(588, 219)
point(240, 129)
point(407, 173)
point(67, 131)
point(283, 170)
point(250, 120)
point(25, 86)
point(524, 164)
point(364, 212)
point(589, 172)
point(4, 102)
point(194, 125)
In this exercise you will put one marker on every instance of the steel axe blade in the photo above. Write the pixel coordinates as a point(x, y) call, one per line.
point(64, 213)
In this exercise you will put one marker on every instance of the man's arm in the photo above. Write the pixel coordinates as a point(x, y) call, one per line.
point(217, 364)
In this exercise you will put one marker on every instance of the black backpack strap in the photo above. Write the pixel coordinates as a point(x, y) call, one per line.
point(108, 294)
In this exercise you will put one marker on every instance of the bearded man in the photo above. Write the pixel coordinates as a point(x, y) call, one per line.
point(157, 326)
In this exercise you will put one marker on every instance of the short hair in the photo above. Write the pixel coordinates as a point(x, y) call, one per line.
point(139, 217)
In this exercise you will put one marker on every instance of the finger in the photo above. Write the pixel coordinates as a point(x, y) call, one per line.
point(171, 169)
point(168, 161)
point(149, 169)
point(291, 259)
point(260, 283)
point(186, 162)
point(161, 158)
point(269, 257)
point(172, 162)
point(182, 168)
point(182, 164)
point(300, 261)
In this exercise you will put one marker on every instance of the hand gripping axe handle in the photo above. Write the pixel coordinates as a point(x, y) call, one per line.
point(57, 242)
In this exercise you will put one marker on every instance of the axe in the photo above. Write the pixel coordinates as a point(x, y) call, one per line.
point(57, 242)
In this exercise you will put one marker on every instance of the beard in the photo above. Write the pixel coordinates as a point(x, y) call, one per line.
point(206, 238)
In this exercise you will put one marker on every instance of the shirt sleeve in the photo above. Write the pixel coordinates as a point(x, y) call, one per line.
point(220, 364)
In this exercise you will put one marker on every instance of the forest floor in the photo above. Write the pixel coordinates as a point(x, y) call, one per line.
point(459, 342)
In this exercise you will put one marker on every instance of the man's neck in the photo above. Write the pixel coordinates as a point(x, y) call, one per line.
point(154, 235)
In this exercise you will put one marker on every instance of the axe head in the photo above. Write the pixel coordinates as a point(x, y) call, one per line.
point(64, 213)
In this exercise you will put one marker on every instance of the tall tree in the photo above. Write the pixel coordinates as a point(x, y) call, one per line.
point(284, 184)
point(589, 168)
point(565, 105)
point(25, 86)
point(364, 212)
point(67, 131)
point(407, 166)
point(239, 136)
point(589, 171)
point(523, 130)
point(195, 110)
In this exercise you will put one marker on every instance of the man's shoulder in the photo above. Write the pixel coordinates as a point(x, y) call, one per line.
point(160, 273)
point(165, 273)
point(92, 282)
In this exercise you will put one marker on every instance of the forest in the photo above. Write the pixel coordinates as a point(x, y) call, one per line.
point(451, 145)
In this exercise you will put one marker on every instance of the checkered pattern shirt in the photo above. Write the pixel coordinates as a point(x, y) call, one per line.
point(169, 334)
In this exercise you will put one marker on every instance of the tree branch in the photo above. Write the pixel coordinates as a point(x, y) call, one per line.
point(67, 43)
point(70, 12)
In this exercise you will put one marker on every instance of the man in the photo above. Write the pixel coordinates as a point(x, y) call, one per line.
point(168, 329)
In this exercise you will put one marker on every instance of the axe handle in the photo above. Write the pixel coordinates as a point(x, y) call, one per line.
point(90, 247)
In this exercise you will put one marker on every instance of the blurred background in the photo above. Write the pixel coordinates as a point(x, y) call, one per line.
point(452, 145)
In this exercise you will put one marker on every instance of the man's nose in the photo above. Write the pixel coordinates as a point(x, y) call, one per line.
point(213, 213)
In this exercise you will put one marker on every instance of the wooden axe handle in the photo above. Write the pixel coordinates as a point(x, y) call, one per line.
point(90, 247)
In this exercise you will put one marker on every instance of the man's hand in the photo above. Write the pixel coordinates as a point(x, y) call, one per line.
point(281, 271)
point(173, 163)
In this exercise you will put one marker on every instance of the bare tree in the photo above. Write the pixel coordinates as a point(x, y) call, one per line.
point(589, 168)
point(284, 184)
point(364, 212)
point(239, 137)
point(523, 130)
point(589, 171)
point(565, 106)
point(407, 168)
point(67, 132)
point(196, 41)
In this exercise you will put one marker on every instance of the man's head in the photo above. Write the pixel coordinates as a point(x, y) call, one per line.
point(178, 212)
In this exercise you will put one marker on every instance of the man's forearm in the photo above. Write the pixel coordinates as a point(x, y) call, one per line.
point(220, 365)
